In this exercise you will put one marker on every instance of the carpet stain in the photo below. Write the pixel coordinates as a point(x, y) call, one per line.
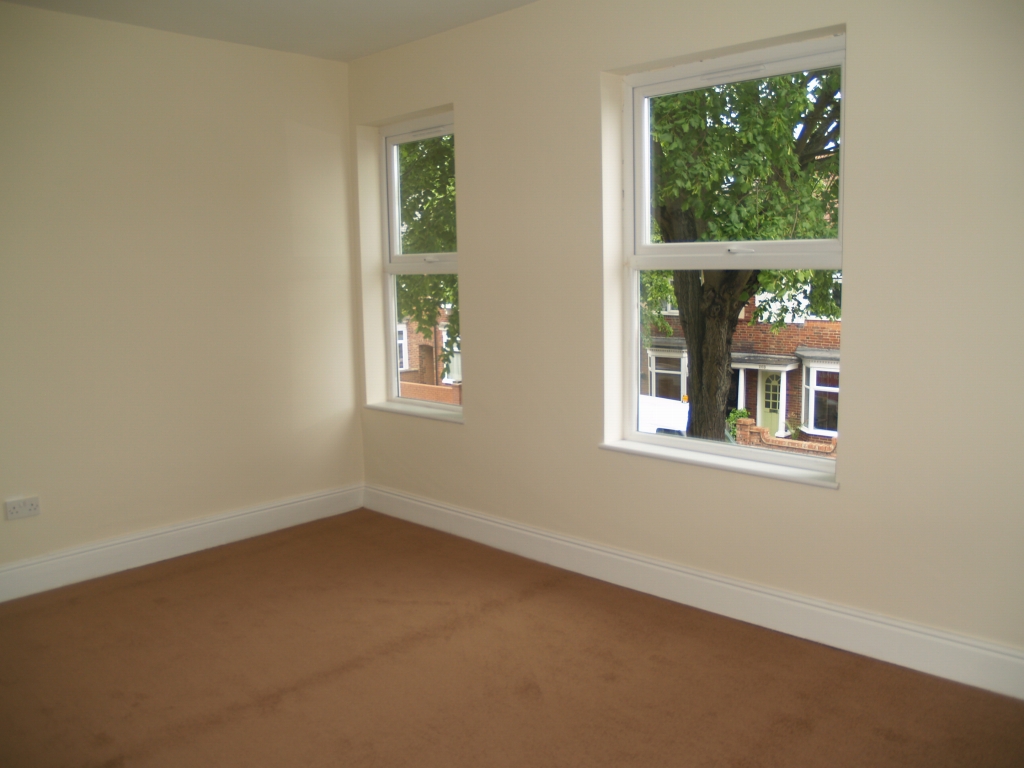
point(268, 702)
point(114, 762)
point(892, 736)
point(102, 739)
point(529, 689)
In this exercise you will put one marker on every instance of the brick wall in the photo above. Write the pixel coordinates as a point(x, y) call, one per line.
point(819, 334)
point(758, 437)
point(426, 367)
point(444, 394)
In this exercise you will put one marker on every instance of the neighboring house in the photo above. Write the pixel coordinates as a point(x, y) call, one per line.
point(421, 366)
point(788, 380)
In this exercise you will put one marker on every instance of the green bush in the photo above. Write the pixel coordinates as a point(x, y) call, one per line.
point(730, 420)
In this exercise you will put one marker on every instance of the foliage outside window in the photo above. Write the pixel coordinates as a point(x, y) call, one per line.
point(736, 189)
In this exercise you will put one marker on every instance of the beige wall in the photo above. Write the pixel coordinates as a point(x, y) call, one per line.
point(176, 313)
point(176, 310)
point(927, 525)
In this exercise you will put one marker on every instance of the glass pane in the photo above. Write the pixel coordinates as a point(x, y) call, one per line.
point(668, 386)
point(426, 195)
point(826, 410)
point(828, 379)
point(772, 387)
point(769, 315)
point(428, 307)
point(753, 160)
point(403, 358)
point(667, 363)
point(454, 375)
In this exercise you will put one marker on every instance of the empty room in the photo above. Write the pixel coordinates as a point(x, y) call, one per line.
point(458, 383)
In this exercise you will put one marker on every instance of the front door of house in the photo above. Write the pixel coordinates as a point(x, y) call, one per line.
point(771, 390)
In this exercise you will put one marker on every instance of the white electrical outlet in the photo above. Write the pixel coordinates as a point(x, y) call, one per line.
point(16, 509)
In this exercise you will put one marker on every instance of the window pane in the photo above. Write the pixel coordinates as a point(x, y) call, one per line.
point(668, 386)
point(769, 315)
point(826, 410)
point(403, 356)
point(428, 306)
point(828, 379)
point(772, 388)
point(426, 195)
point(753, 160)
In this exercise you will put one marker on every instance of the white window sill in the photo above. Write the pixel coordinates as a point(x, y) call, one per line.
point(437, 411)
point(819, 432)
point(729, 463)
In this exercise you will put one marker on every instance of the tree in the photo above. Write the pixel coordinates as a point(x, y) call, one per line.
point(426, 198)
point(753, 160)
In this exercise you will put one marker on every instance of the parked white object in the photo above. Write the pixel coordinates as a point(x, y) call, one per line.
point(661, 413)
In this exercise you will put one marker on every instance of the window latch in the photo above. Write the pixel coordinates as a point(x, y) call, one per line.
point(740, 251)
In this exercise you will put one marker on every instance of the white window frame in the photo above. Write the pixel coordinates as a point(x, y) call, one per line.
point(810, 374)
point(652, 369)
point(402, 345)
point(393, 136)
point(397, 263)
point(456, 363)
point(641, 254)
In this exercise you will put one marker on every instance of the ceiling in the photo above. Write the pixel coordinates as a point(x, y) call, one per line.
point(331, 29)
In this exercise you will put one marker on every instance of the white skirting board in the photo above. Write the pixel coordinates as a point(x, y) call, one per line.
point(68, 566)
point(966, 660)
point(944, 654)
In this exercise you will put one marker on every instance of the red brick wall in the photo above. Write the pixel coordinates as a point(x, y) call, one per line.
point(819, 334)
point(748, 434)
point(426, 367)
point(443, 394)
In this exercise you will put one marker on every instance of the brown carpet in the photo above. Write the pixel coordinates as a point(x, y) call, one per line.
point(362, 640)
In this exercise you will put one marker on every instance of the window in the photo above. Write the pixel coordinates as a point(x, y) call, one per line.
point(666, 373)
point(820, 391)
point(421, 260)
point(733, 220)
point(402, 340)
point(822, 400)
point(453, 370)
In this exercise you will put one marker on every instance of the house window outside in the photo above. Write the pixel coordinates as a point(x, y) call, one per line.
point(421, 258)
point(709, 224)
point(453, 370)
point(821, 401)
point(401, 336)
point(667, 375)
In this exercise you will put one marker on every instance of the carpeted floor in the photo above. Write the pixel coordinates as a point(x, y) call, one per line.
point(361, 640)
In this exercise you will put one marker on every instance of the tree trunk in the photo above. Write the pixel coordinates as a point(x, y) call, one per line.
point(709, 304)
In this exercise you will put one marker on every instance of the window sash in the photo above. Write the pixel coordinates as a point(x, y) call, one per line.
point(395, 261)
point(763, 254)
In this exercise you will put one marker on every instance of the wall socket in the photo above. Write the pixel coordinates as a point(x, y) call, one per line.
point(15, 509)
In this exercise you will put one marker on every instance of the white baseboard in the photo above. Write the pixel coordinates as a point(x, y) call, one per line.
point(68, 566)
point(945, 654)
